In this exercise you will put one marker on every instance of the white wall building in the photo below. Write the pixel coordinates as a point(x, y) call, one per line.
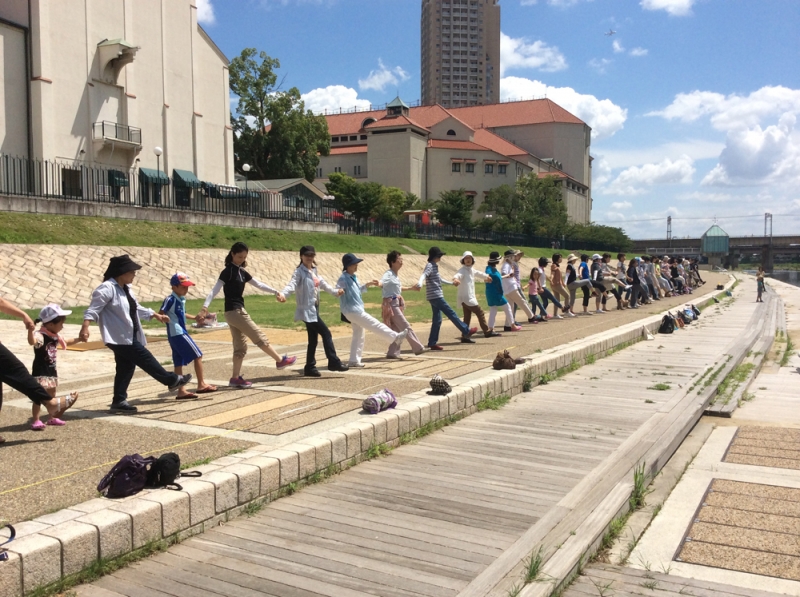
point(101, 83)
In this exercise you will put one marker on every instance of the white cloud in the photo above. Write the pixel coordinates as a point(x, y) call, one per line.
point(637, 180)
point(676, 8)
point(697, 149)
point(383, 77)
point(638, 52)
point(700, 197)
point(759, 156)
point(600, 64)
point(205, 12)
point(604, 116)
point(621, 205)
point(333, 98)
point(732, 111)
point(520, 53)
point(617, 46)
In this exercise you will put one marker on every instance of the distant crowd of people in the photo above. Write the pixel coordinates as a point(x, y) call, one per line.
point(118, 314)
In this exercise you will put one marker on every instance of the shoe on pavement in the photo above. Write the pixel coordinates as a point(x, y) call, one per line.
point(182, 381)
point(239, 382)
point(123, 408)
point(312, 373)
point(401, 337)
point(341, 368)
point(559, 317)
point(467, 340)
point(56, 422)
point(352, 365)
point(38, 426)
point(492, 335)
point(286, 361)
point(436, 347)
point(473, 331)
point(571, 314)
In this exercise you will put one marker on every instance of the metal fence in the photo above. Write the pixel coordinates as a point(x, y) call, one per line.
point(142, 187)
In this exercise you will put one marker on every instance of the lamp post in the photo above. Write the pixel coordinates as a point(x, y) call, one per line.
point(157, 189)
point(158, 151)
point(246, 169)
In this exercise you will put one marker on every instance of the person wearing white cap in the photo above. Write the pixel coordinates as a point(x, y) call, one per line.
point(464, 279)
point(46, 341)
point(574, 282)
point(14, 373)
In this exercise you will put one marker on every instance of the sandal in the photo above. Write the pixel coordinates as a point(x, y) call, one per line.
point(38, 426)
point(55, 421)
point(68, 401)
point(206, 390)
point(189, 396)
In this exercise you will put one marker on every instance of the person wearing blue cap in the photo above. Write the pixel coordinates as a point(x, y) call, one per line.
point(184, 350)
point(352, 306)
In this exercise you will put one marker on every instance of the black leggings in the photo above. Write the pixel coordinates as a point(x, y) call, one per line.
point(314, 329)
point(130, 356)
point(14, 373)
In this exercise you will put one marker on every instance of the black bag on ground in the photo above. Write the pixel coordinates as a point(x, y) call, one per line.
point(685, 317)
point(667, 325)
point(696, 312)
point(166, 471)
point(127, 477)
point(12, 534)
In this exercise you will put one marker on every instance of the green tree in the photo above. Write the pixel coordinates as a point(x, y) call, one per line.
point(392, 204)
point(360, 199)
point(454, 208)
point(533, 206)
point(273, 132)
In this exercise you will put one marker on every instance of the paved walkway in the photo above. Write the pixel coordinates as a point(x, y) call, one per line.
point(282, 407)
point(732, 524)
point(453, 513)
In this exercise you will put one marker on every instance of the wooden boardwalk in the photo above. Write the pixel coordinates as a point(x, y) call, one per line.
point(433, 518)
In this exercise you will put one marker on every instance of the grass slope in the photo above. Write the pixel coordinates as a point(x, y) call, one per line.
point(38, 229)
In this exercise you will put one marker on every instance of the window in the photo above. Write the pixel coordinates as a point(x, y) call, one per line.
point(470, 168)
point(354, 137)
point(356, 170)
point(488, 169)
point(319, 172)
point(363, 137)
point(334, 139)
point(451, 133)
point(456, 167)
point(337, 169)
point(501, 168)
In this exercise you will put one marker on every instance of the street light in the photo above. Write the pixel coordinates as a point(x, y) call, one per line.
point(158, 151)
point(246, 168)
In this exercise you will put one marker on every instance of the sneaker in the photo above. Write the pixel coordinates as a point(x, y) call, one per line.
point(571, 314)
point(182, 381)
point(533, 320)
point(239, 382)
point(588, 313)
point(492, 335)
point(419, 352)
point(351, 365)
point(559, 317)
point(286, 361)
point(516, 328)
point(600, 311)
point(312, 372)
point(473, 331)
point(401, 337)
point(123, 408)
point(467, 340)
point(436, 347)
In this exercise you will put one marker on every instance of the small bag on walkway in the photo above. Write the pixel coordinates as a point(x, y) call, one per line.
point(667, 324)
point(504, 360)
point(383, 400)
point(127, 477)
point(13, 534)
point(439, 387)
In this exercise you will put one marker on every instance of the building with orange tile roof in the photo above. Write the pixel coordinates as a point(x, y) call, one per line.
point(430, 149)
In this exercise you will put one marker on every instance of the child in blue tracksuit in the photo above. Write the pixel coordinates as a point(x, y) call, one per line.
point(184, 350)
point(495, 298)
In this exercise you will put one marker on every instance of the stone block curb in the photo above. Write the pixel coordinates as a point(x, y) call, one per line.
point(63, 543)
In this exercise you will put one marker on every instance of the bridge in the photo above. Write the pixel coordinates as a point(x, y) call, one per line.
point(768, 246)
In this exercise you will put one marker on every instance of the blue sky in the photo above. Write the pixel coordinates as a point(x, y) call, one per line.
point(694, 104)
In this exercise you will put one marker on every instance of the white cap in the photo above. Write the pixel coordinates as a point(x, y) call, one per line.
point(51, 311)
point(596, 256)
point(467, 254)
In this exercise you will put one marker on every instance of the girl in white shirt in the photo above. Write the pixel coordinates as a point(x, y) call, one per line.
point(465, 280)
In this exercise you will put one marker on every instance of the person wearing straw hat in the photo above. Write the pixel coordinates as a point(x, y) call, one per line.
point(433, 292)
point(574, 282)
point(352, 306)
point(118, 313)
point(465, 280)
point(494, 295)
point(511, 287)
point(393, 305)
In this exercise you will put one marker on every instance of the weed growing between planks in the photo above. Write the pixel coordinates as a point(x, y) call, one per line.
point(732, 381)
point(490, 403)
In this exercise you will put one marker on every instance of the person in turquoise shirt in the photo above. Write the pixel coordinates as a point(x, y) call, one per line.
point(495, 298)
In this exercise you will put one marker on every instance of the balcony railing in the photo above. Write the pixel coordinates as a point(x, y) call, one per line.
point(113, 131)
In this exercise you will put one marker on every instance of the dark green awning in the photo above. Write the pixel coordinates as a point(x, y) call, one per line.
point(118, 179)
point(153, 176)
point(184, 178)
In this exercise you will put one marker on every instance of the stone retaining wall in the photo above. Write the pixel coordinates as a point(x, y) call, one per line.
point(33, 275)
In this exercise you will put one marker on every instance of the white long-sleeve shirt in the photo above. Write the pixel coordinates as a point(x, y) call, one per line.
point(466, 289)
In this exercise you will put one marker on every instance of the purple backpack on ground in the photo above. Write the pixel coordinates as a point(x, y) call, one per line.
point(127, 477)
point(379, 401)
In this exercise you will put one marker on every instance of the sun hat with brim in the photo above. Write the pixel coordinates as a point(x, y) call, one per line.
point(349, 259)
point(435, 252)
point(51, 311)
point(518, 252)
point(494, 258)
point(119, 265)
point(572, 257)
point(467, 254)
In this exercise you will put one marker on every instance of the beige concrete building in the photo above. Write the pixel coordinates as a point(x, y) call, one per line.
point(460, 52)
point(101, 83)
point(431, 149)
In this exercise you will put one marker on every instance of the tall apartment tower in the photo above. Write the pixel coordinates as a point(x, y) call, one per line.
point(460, 52)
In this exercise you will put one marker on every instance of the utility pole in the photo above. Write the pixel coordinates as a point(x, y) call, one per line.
point(767, 256)
point(669, 231)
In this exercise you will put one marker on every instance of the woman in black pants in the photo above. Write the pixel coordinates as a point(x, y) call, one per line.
point(118, 312)
point(14, 373)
